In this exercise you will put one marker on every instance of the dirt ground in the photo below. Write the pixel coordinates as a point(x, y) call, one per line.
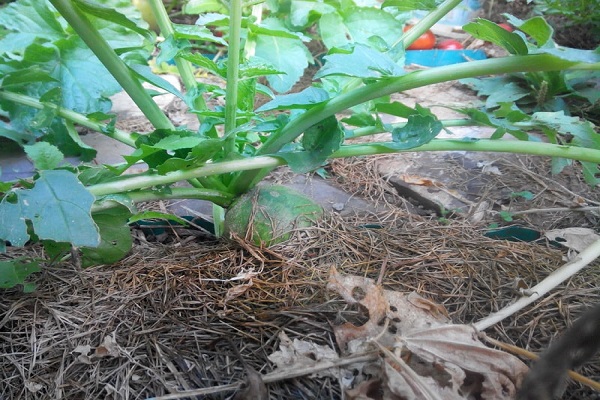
point(191, 312)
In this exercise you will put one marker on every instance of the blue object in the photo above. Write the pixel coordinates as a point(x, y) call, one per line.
point(458, 16)
point(438, 57)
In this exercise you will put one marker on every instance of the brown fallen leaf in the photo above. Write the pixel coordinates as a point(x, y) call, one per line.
point(302, 353)
point(427, 357)
point(108, 348)
point(237, 291)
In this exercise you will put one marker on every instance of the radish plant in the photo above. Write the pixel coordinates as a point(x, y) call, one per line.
point(62, 59)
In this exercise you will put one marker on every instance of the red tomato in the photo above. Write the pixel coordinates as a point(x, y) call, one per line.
point(506, 26)
point(424, 42)
point(450, 44)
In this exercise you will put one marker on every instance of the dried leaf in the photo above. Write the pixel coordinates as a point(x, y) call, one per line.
point(418, 180)
point(301, 353)
point(382, 305)
point(439, 360)
point(108, 348)
point(574, 238)
point(83, 352)
point(237, 291)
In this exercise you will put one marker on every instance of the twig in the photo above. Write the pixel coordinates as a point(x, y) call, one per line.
point(558, 209)
point(553, 280)
point(275, 376)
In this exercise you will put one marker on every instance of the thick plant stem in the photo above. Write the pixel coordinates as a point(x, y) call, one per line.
point(427, 22)
point(118, 69)
point(384, 87)
point(213, 196)
point(186, 71)
point(69, 115)
point(233, 65)
point(256, 163)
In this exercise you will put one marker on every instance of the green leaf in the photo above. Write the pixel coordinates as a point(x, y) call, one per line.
point(256, 67)
point(411, 5)
point(491, 32)
point(361, 62)
point(573, 55)
point(303, 13)
point(28, 20)
point(203, 62)
point(536, 27)
point(204, 6)
point(583, 132)
point(396, 109)
point(12, 226)
point(319, 142)
point(157, 215)
point(14, 272)
point(498, 89)
point(112, 15)
point(19, 137)
point(144, 72)
point(42, 43)
point(115, 237)
point(358, 25)
point(419, 130)
point(526, 194)
point(84, 151)
point(44, 155)
point(302, 100)
point(196, 32)
point(287, 54)
point(59, 208)
point(506, 216)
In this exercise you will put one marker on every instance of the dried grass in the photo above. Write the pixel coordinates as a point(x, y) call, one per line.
point(165, 306)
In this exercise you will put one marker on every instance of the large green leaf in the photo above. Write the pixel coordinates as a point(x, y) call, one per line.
point(359, 25)
point(303, 13)
point(59, 208)
point(361, 62)
point(287, 54)
point(42, 56)
point(301, 100)
point(28, 20)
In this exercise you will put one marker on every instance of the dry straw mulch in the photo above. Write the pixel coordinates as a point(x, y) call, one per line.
point(165, 318)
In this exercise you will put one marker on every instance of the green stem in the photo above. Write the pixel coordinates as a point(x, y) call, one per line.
point(72, 116)
point(118, 69)
point(146, 180)
point(213, 196)
point(136, 182)
point(483, 145)
point(233, 65)
point(427, 22)
point(384, 87)
point(185, 68)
